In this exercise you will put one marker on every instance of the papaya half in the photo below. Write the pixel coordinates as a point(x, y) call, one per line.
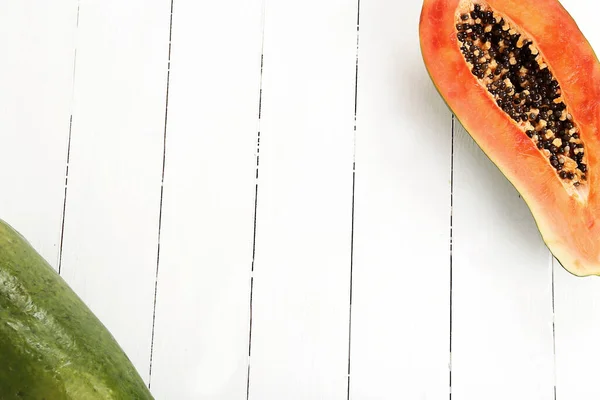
point(524, 82)
point(52, 347)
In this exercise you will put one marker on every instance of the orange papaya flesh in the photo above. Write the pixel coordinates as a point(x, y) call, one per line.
point(524, 82)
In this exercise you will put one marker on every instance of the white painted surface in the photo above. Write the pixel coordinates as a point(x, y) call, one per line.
point(113, 197)
point(302, 266)
point(36, 80)
point(501, 285)
point(577, 305)
point(203, 303)
point(401, 279)
point(501, 276)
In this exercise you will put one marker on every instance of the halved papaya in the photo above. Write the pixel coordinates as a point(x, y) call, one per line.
point(525, 83)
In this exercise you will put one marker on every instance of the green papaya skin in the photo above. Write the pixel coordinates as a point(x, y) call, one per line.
point(52, 347)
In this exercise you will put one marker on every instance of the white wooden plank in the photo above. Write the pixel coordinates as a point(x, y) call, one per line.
point(202, 312)
point(302, 266)
point(401, 279)
point(577, 318)
point(111, 225)
point(502, 339)
point(37, 39)
point(577, 300)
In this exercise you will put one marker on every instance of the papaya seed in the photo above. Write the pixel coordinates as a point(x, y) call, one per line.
point(509, 66)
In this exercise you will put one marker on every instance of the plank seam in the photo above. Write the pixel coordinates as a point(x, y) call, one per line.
point(160, 209)
point(64, 207)
point(553, 324)
point(260, 92)
point(451, 246)
point(353, 199)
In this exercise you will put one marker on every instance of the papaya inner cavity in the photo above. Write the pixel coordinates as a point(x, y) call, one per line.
point(510, 67)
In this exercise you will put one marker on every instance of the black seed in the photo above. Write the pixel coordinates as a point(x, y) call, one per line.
point(530, 133)
point(476, 8)
point(464, 17)
point(474, 14)
point(576, 184)
point(575, 136)
point(540, 145)
point(559, 167)
point(563, 174)
point(571, 175)
point(583, 167)
point(553, 149)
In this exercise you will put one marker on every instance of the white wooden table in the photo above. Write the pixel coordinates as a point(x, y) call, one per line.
point(371, 252)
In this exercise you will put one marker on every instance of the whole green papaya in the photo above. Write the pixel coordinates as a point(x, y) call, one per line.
point(52, 347)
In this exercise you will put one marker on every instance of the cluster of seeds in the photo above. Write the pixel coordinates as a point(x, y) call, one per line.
point(514, 73)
